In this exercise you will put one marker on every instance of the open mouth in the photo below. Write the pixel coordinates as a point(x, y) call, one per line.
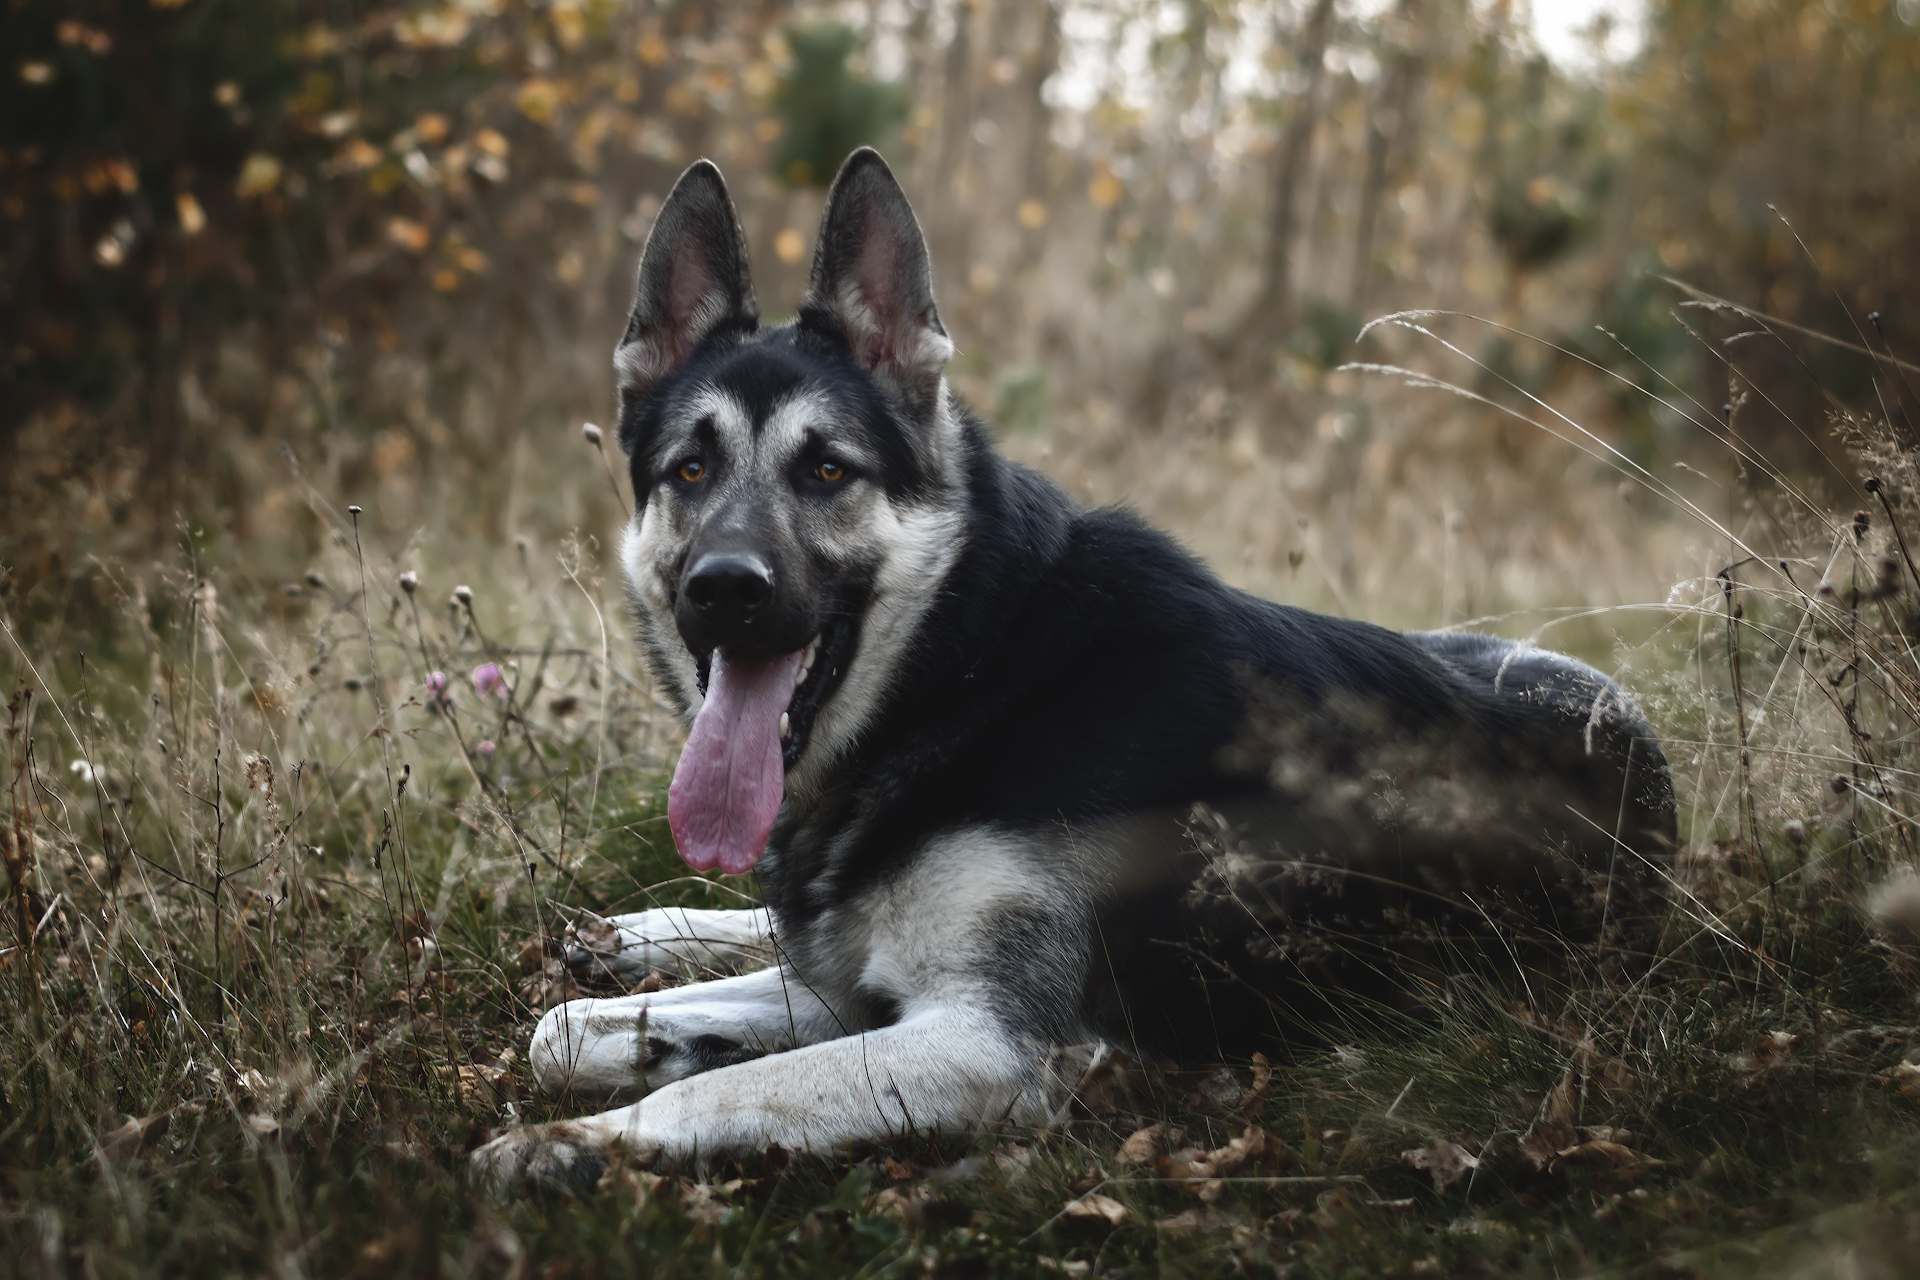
point(752, 726)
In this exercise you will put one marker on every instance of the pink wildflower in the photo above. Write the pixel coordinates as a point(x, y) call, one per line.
point(486, 748)
point(488, 680)
point(437, 684)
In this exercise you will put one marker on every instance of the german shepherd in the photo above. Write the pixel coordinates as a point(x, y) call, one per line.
point(1017, 774)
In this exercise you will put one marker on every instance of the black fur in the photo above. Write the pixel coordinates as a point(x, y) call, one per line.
point(1081, 667)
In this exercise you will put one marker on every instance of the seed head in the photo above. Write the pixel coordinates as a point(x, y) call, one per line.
point(592, 433)
point(353, 510)
point(463, 595)
point(1796, 832)
point(409, 582)
point(314, 579)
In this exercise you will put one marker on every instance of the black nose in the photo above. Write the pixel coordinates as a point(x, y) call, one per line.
point(729, 588)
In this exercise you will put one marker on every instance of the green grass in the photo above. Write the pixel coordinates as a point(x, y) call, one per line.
point(262, 998)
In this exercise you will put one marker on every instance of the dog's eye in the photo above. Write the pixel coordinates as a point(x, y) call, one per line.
point(693, 470)
point(831, 472)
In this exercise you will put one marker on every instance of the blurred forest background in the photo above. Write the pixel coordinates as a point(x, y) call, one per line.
point(303, 304)
point(258, 256)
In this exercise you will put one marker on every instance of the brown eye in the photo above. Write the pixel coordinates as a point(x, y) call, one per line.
point(831, 472)
point(692, 471)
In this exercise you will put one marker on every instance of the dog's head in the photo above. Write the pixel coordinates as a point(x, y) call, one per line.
point(797, 491)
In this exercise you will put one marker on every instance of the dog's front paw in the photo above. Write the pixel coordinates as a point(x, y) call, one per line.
point(601, 954)
point(551, 1158)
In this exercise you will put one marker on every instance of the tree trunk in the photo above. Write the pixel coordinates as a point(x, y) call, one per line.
point(1386, 126)
point(1271, 311)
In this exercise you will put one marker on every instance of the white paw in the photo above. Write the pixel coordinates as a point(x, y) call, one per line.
point(607, 1049)
point(694, 944)
point(544, 1157)
point(603, 953)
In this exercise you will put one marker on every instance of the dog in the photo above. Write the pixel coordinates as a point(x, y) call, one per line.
point(1018, 774)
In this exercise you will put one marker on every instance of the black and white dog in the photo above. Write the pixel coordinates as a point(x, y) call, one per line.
point(1018, 774)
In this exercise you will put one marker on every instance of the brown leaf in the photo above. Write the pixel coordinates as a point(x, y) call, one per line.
point(1013, 1158)
point(1188, 1162)
point(702, 1205)
point(1142, 1145)
point(622, 1177)
point(1537, 1151)
point(127, 1139)
point(539, 946)
point(1903, 1078)
point(1448, 1162)
point(1262, 1077)
point(1558, 1110)
point(1095, 1205)
point(1608, 1157)
point(895, 1171)
point(1221, 1091)
point(1088, 1181)
point(1229, 1159)
point(1770, 1052)
point(1187, 1220)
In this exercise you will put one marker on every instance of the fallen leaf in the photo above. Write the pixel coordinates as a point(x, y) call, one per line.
point(127, 1139)
point(1448, 1162)
point(1560, 1103)
point(1095, 1205)
point(1902, 1077)
point(262, 1126)
point(1221, 1091)
point(1770, 1051)
point(1013, 1158)
point(1250, 1145)
point(1608, 1157)
point(1088, 1180)
point(701, 1204)
point(622, 1177)
point(1142, 1145)
point(1262, 1077)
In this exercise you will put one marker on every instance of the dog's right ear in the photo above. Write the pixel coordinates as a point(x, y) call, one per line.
point(693, 281)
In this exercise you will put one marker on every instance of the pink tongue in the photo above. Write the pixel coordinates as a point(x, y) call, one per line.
point(730, 780)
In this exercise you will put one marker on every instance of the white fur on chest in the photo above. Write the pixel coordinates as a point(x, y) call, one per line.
point(923, 935)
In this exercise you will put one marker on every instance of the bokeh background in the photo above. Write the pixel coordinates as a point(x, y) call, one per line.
point(1568, 322)
point(262, 256)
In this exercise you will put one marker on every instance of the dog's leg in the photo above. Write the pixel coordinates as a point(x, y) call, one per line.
point(948, 1069)
point(692, 941)
point(603, 1048)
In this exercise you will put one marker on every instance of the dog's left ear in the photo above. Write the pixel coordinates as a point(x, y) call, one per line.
point(872, 277)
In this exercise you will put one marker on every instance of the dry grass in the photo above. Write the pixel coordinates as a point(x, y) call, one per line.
point(281, 916)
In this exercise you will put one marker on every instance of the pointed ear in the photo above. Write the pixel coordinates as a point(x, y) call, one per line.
point(693, 280)
point(872, 276)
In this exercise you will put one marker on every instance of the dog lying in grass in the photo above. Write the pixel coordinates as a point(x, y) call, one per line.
point(1017, 774)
